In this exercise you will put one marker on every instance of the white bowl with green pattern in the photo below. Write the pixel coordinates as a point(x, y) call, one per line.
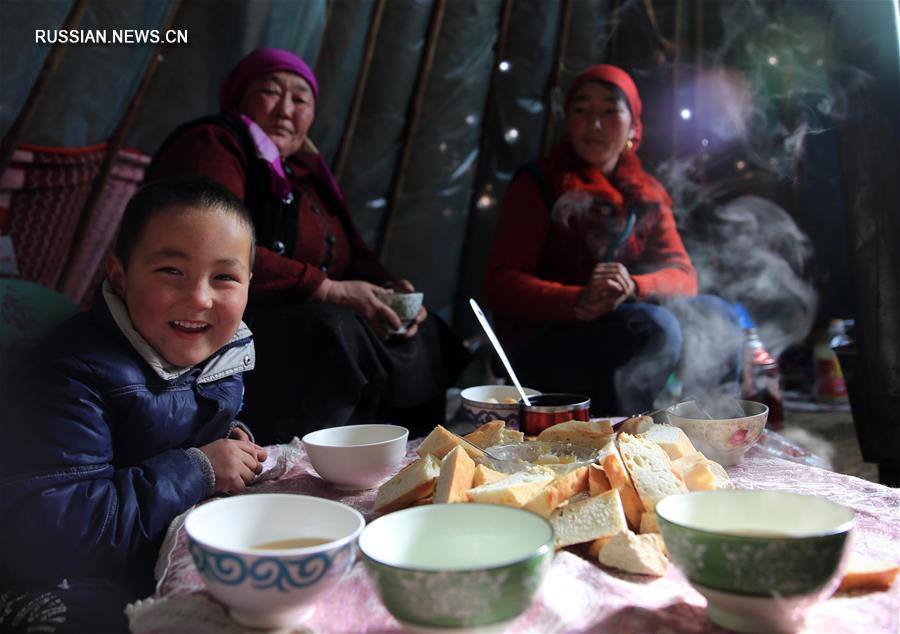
point(457, 565)
point(761, 558)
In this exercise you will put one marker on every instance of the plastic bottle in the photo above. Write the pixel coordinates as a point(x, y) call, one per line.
point(759, 372)
point(830, 386)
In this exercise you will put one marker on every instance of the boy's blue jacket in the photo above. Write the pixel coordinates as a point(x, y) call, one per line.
point(93, 461)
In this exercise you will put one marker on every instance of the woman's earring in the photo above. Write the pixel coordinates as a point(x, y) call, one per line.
point(629, 145)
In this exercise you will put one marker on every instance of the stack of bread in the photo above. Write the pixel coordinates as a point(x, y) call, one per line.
point(608, 505)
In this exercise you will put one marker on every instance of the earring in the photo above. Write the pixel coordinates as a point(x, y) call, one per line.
point(629, 145)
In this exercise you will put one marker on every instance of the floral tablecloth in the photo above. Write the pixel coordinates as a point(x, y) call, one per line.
point(577, 595)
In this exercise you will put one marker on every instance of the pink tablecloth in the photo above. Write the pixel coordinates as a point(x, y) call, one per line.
point(577, 595)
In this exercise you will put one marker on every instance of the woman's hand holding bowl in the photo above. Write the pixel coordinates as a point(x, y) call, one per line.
point(365, 298)
point(405, 286)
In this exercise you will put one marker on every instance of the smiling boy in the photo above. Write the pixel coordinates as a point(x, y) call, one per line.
point(125, 417)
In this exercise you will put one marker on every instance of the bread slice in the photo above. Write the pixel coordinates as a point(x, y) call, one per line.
point(589, 518)
point(508, 436)
point(636, 425)
point(672, 439)
point(649, 523)
point(637, 554)
point(597, 480)
point(457, 471)
point(486, 475)
point(594, 433)
point(720, 476)
point(514, 490)
point(413, 482)
point(487, 435)
point(701, 474)
point(868, 573)
point(494, 433)
point(597, 545)
point(440, 441)
point(620, 480)
point(650, 470)
point(558, 491)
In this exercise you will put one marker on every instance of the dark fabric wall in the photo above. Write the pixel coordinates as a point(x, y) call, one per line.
point(754, 169)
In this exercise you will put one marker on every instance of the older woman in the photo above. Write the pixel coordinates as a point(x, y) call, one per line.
point(325, 355)
point(588, 278)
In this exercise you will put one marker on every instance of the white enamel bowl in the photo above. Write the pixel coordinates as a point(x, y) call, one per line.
point(356, 456)
point(271, 588)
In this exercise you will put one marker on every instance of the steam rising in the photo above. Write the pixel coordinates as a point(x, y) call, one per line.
point(754, 101)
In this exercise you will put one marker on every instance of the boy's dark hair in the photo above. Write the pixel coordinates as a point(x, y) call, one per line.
point(181, 191)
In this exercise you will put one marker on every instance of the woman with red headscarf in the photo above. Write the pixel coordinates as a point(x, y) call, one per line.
point(590, 283)
point(321, 325)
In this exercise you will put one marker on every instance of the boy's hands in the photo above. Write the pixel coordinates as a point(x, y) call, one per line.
point(238, 433)
point(236, 462)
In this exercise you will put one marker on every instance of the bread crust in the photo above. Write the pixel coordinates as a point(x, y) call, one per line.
point(440, 441)
point(579, 432)
point(620, 480)
point(561, 489)
point(650, 469)
point(869, 574)
point(487, 435)
point(457, 472)
point(421, 474)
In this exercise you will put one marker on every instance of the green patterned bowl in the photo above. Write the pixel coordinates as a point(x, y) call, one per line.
point(760, 557)
point(457, 565)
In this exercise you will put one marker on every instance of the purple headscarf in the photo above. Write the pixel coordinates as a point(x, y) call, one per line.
point(258, 63)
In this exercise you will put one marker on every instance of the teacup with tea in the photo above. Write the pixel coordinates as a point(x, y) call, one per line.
point(406, 306)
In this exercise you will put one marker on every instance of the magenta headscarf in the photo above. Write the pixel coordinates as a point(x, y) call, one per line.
point(622, 80)
point(258, 63)
point(254, 65)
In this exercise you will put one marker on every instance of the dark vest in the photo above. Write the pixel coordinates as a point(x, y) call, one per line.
point(275, 219)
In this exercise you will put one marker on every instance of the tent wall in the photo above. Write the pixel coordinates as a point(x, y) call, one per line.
point(462, 156)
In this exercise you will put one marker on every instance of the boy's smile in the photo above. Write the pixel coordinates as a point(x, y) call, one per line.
point(186, 282)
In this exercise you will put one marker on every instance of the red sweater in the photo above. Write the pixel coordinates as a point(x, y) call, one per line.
point(541, 260)
point(211, 150)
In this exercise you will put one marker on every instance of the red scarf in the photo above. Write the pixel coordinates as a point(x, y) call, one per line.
point(627, 184)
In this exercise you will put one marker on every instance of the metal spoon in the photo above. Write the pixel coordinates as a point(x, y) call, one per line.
point(496, 343)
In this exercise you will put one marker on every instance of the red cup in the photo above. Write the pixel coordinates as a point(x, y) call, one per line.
point(549, 409)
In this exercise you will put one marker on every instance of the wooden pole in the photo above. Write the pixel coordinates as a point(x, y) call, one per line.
point(614, 46)
point(676, 61)
point(562, 41)
point(353, 116)
point(483, 158)
point(329, 10)
point(412, 122)
point(699, 102)
point(11, 138)
point(113, 146)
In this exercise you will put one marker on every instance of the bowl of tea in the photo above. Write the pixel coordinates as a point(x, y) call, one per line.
point(267, 557)
point(761, 558)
